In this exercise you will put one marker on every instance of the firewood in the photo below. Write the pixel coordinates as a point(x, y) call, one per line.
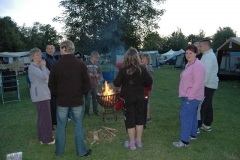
point(110, 129)
point(95, 135)
point(93, 142)
point(110, 132)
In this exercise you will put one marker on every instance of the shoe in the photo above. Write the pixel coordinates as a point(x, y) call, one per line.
point(198, 131)
point(192, 138)
point(86, 115)
point(98, 114)
point(89, 152)
point(180, 144)
point(207, 128)
point(148, 119)
point(128, 144)
point(53, 142)
point(138, 143)
point(69, 119)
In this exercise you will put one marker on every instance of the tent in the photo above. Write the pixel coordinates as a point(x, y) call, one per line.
point(167, 55)
point(180, 58)
point(154, 57)
point(14, 60)
point(228, 56)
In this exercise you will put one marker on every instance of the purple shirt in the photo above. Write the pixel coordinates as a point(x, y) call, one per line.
point(192, 81)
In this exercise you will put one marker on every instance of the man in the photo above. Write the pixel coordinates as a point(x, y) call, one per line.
point(50, 49)
point(94, 72)
point(69, 81)
point(211, 83)
point(199, 54)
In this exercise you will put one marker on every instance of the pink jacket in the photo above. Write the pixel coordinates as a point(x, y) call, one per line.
point(192, 81)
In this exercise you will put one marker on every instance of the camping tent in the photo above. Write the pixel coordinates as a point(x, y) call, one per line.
point(14, 60)
point(228, 56)
point(154, 57)
point(180, 58)
point(167, 55)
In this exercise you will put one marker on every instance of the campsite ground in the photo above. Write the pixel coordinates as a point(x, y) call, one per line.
point(18, 127)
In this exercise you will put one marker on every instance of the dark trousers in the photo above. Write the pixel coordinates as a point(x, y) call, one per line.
point(145, 110)
point(44, 124)
point(54, 109)
point(206, 109)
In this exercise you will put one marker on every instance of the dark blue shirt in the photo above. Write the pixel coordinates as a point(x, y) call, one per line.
point(49, 61)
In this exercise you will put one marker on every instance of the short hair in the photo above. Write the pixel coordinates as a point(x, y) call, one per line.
point(192, 48)
point(32, 53)
point(68, 45)
point(49, 45)
point(206, 42)
point(147, 56)
point(196, 44)
point(94, 54)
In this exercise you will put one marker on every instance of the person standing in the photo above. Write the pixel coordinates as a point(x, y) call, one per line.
point(50, 59)
point(94, 72)
point(199, 54)
point(40, 95)
point(132, 78)
point(145, 58)
point(209, 60)
point(191, 91)
point(69, 81)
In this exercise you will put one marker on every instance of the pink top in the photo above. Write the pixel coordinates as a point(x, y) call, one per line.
point(192, 81)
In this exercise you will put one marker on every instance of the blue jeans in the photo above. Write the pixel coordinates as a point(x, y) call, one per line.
point(62, 119)
point(188, 118)
point(92, 92)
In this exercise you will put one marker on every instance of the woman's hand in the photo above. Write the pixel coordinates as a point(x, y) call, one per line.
point(42, 63)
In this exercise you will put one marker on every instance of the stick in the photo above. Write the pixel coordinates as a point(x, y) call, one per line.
point(111, 129)
point(110, 132)
point(93, 142)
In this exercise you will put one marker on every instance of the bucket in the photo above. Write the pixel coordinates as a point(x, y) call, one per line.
point(108, 76)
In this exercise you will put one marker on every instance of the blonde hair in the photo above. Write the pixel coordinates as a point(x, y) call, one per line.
point(68, 45)
point(132, 61)
point(94, 54)
point(32, 53)
point(147, 56)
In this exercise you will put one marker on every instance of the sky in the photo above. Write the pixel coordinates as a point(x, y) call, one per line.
point(190, 16)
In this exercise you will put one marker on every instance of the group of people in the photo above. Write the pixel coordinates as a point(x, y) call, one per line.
point(57, 88)
point(198, 82)
point(65, 82)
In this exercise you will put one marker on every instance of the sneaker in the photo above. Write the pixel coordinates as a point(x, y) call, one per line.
point(180, 144)
point(130, 145)
point(148, 119)
point(138, 143)
point(198, 131)
point(192, 138)
point(207, 128)
point(53, 142)
point(89, 152)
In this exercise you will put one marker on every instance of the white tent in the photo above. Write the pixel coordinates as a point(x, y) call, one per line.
point(167, 55)
point(176, 53)
point(14, 60)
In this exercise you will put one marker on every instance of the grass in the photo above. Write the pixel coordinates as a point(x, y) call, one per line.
point(18, 127)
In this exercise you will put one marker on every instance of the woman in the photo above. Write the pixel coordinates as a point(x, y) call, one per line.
point(191, 90)
point(132, 78)
point(40, 95)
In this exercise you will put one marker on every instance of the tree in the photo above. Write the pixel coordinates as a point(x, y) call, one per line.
point(221, 36)
point(153, 41)
point(177, 41)
point(109, 24)
point(39, 35)
point(10, 39)
point(195, 38)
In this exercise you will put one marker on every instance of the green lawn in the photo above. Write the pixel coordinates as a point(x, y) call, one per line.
point(18, 127)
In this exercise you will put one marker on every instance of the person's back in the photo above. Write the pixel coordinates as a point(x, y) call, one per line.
point(69, 81)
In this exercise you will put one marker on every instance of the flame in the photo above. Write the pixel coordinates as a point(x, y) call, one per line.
point(107, 90)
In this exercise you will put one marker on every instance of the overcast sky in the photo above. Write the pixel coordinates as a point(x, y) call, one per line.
point(189, 15)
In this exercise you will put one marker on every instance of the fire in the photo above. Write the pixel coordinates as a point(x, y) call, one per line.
point(107, 90)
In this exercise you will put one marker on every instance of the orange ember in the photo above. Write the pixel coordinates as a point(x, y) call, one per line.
point(107, 90)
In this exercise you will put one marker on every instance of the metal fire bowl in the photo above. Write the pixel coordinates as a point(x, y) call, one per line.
point(108, 101)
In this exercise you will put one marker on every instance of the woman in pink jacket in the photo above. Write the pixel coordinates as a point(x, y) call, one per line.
point(191, 90)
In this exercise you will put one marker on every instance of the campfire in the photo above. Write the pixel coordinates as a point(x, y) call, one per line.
point(107, 99)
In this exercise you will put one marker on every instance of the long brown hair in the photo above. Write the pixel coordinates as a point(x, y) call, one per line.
point(132, 61)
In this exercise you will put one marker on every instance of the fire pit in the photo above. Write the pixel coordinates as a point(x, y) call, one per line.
point(107, 99)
